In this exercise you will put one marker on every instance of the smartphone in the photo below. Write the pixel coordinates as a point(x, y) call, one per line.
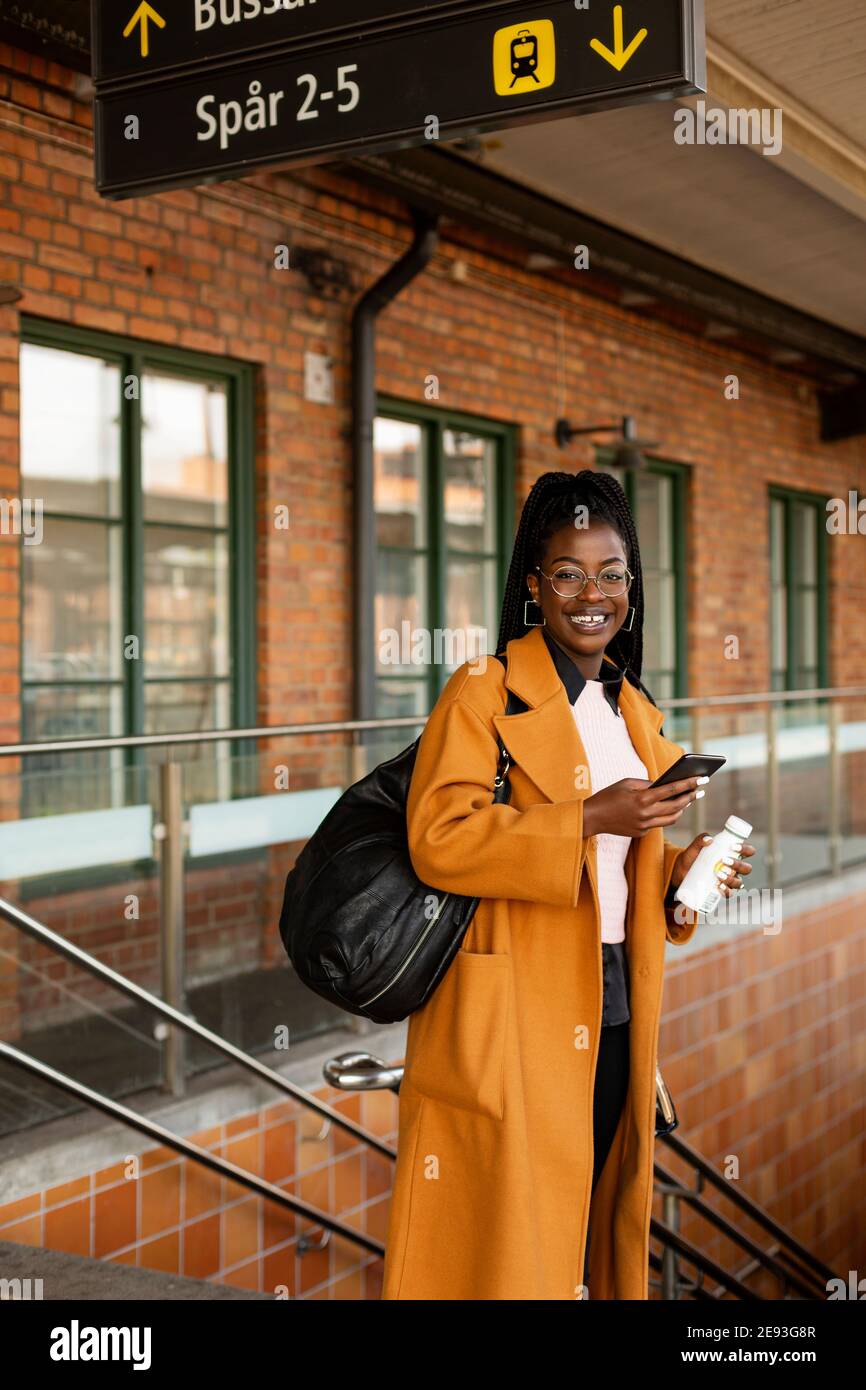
point(691, 765)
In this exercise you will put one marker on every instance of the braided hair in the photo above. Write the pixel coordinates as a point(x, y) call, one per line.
point(552, 504)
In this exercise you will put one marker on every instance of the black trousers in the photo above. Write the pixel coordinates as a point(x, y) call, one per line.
point(611, 1086)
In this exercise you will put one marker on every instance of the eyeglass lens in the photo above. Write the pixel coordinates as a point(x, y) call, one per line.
point(571, 582)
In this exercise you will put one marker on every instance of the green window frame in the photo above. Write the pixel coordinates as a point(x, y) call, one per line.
point(669, 681)
point(136, 358)
point(432, 554)
point(797, 528)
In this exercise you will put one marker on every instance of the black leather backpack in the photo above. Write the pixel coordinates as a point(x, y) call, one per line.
point(358, 925)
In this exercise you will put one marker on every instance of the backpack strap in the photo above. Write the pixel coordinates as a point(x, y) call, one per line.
point(513, 705)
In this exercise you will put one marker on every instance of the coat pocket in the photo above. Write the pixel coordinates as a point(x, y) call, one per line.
point(456, 1048)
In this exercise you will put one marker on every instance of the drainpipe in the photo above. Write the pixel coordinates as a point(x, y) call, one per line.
point(369, 307)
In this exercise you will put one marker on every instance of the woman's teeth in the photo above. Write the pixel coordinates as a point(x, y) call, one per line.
point(589, 620)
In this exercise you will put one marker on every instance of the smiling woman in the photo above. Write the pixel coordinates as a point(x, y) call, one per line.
point(530, 1072)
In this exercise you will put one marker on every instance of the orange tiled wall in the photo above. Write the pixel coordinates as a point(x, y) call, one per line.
point(179, 1217)
point(763, 1046)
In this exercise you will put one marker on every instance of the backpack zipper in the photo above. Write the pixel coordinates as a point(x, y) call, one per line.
point(410, 957)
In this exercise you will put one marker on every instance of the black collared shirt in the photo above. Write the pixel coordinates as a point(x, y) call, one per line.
point(614, 961)
point(574, 680)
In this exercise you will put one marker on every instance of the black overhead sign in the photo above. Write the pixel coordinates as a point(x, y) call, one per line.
point(136, 40)
point(325, 95)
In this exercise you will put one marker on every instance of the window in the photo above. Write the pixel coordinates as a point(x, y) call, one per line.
point(444, 521)
point(656, 495)
point(137, 600)
point(798, 583)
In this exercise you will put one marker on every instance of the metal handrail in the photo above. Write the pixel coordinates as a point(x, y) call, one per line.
point(764, 697)
point(765, 1258)
point(696, 1256)
point(266, 731)
point(406, 721)
point(164, 1136)
point(751, 1208)
point(46, 937)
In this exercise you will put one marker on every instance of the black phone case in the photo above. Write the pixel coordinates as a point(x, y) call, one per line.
point(699, 765)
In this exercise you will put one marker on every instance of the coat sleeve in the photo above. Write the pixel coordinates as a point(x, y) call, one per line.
point(461, 842)
point(678, 933)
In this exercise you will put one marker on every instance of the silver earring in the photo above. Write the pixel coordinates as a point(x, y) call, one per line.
point(627, 627)
point(526, 622)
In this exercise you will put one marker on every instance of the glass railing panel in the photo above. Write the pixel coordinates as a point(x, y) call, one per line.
point(63, 1016)
point(76, 854)
point(852, 782)
point(249, 816)
point(736, 733)
point(803, 743)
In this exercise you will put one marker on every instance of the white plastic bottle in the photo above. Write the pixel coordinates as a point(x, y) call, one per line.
point(700, 888)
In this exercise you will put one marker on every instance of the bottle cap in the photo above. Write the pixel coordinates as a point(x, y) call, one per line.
point(740, 828)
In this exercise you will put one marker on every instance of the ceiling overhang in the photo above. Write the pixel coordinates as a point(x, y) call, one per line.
point(636, 273)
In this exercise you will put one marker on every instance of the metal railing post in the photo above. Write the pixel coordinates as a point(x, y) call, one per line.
point(835, 789)
point(670, 1258)
point(170, 834)
point(700, 806)
point(773, 831)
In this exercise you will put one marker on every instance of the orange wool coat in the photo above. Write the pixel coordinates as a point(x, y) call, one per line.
point(491, 1194)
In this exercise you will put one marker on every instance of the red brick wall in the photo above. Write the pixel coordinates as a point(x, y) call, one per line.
point(195, 269)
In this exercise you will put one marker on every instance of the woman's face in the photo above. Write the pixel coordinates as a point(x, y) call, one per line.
point(586, 624)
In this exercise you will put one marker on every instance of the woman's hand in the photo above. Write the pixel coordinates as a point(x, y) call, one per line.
point(738, 867)
point(634, 806)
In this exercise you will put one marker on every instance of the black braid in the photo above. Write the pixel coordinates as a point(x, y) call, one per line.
point(552, 504)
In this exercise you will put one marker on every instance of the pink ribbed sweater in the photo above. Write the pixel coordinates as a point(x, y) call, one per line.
point(611, 756)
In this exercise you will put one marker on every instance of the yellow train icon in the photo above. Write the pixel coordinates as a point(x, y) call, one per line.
point(524, 56)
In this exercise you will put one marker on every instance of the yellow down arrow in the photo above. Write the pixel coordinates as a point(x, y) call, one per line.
point(618, 56)
point(143, 14)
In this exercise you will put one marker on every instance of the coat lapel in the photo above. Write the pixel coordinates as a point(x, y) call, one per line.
point(544, 740)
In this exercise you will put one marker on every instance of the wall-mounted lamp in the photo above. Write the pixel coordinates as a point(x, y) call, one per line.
point(629, 453)
point(9, 294)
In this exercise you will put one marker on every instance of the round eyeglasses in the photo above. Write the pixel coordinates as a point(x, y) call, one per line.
point(569, 581)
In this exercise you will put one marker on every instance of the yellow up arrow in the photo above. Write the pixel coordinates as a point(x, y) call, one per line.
point(144, 13)
point(618, 56)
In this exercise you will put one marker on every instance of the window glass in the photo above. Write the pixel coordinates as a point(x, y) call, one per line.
point(652, 496)
point(470, 492)
point(73, 588)
point(70, 431)
point(184, 450)
point(113, 565)
point(472, 605)
point(400, 608)
point(186, 606)
point(439, 500)
point(797, 585)
point(398, 486)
